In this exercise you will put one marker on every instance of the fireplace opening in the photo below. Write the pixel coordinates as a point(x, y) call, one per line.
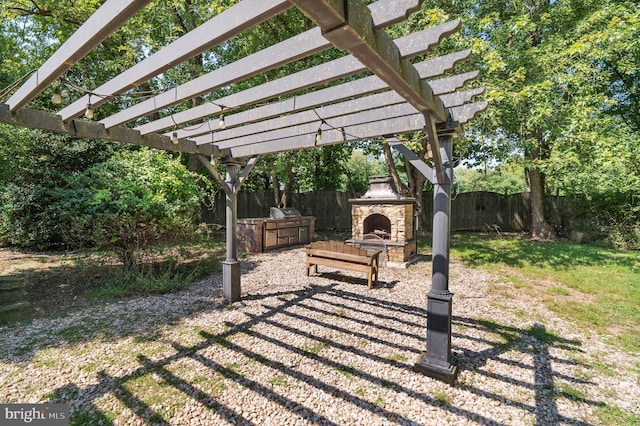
point(379, 225)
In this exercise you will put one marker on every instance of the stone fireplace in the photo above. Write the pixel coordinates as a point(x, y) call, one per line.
point(384, 220)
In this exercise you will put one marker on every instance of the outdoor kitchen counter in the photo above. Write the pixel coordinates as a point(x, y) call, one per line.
point(262, 234)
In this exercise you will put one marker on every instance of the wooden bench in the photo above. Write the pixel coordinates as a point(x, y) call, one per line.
point(340, 255)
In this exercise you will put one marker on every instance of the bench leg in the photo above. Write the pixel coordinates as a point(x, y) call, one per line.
point(310, 266)
point(373, 271)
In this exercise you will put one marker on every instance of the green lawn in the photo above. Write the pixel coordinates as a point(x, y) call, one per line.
point(596, 287)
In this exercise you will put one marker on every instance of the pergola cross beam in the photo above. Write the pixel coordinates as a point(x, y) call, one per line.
point(348, 26)
point(409, 46)
point(47, 121)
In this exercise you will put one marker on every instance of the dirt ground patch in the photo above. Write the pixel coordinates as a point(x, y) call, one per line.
point(53, 281)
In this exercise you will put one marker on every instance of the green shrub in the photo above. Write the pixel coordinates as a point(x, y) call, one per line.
point(611, 219)
point(129, 201)
point(33, 166)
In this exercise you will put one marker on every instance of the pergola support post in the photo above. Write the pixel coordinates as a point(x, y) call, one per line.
point(231, 286)
point(231, 267)
point(437, 362)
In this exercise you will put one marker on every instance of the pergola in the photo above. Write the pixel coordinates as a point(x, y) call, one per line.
point(384, 95)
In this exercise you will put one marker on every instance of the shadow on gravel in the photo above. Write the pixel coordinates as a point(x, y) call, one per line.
point(336, 276)
point(149, 391)
point(132, 318)
point(534, 342)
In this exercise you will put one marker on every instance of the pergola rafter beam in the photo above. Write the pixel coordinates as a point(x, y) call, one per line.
point(227, 24)
point(361, 131)
point(369, 126)
point(287, 51)
point(467, 112)
point(301, 121)
point(107, 19)
point(451, 84)
point(409, 46)
point(382, 112)
point(460, 98)
point(336, 115)
point(360, 87)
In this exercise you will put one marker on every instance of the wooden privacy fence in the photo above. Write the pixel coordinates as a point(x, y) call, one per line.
point(469, 211)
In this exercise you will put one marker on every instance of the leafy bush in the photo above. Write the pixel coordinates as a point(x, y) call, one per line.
point(127, 202)
point(611, 218)
point(33, 166)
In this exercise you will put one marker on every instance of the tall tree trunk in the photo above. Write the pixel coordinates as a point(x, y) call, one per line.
point(393, 171)
point(276, 190)
point(417, 181)
point(287, 159)
point(540, 228)
point(285, 200)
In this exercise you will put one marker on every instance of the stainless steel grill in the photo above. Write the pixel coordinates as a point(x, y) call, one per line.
point(283, 213)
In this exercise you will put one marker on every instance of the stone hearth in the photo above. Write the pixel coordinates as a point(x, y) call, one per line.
point(384, 220)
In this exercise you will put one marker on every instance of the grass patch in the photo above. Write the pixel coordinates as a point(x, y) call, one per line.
point(380, 402)
point(233, 366)
point(314, 348)
point(156, 394)
point(541, 334)
point(396, 358)
point(170, 274)
point(340, 312)
point(277, 381)
point(94, 417)
point(347, 371)
point(519, 313)
point(597, 288)
point(360, 392)
point(611, 415)
point(442, 397)
point(569, 392)
point(558, 291)
point(75, 333)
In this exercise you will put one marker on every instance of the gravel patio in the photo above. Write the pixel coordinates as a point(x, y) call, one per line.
point(320, 350)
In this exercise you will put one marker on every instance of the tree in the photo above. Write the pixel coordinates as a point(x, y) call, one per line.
point(551, 69)
point(504, 179)
point(360, 168)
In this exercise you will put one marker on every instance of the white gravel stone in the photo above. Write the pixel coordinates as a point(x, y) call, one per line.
point(300, 350)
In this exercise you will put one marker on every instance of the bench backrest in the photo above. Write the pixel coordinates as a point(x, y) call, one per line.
point(337, 247)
